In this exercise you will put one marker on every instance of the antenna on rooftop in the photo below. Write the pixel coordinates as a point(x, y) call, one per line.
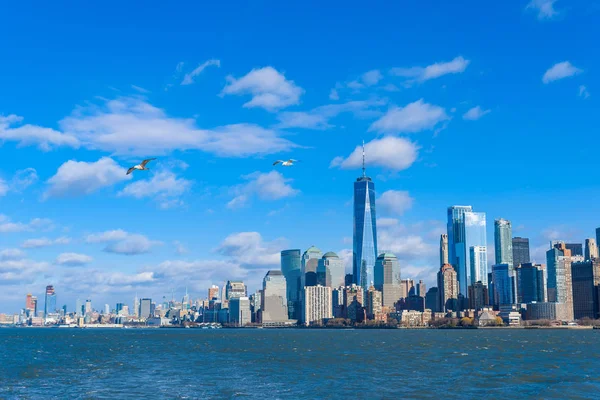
point(363, 159)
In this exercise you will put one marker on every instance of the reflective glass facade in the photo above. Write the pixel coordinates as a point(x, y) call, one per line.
point(456, 244)
point(520, 251)
point(291, 267)
point(478, 258)
point(503, 242)
point(503, 294)
point(365, 233)
point(310, 261)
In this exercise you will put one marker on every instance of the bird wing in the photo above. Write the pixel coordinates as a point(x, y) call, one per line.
point(143, 164)
point(292, 160)
point(277, 162)
point(130, 170)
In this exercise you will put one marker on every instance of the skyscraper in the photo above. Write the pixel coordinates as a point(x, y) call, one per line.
point(475, 235)
point(520, 251)
point(145, 308)
point(444, 249)
point(136, 306)
point(591, 249)
point(310, 261)
point(586, 289)
point(239, 311)
point(531, 283)
point(31, 303)
point(317, 304)
point(291, 267)
point(503, 292)
point(478, 257)
point(558, 259)
point(235, 289)
point(387, 278)
point(576, 249)
point(213, 292)
point(448, 288)
point(79, 309)
point(598, 239)
point(374, 301)
point(365, 231)
point(88, 306)
point(50, 301)
point(331, 270)
point(503, 242)
point(274, 297)
point(478, 296)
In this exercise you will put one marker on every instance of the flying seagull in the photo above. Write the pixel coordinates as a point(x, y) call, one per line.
point(141, 166)
point(287, 163)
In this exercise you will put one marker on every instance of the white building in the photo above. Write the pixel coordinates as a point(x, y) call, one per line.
point(317, 304)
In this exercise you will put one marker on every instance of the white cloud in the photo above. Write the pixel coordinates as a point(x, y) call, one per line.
point(267, 186)
point(133, 127)
point(44, 242)
point(188, 79)
point(372, 77)
point(80, 177)
point(475, 113)
point(140, 89)
point(333, 95)
point(164, 186)
point(544, 8)
point(559, 71)
point(389, 152)
point(269, 89)
point(583, 92)
point(249, 249)
point(11, 254)
point(121, 242)
point(422, 74)
point(21, 271)
point(414, 117)
point(23, 179)
point(26, 135)
point(395, 202)
point(73, 259)
point(385, 222)
point(7, 226)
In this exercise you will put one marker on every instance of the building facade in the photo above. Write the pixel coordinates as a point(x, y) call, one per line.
point(50, 301)
point(520, 251)
point(310, 262)
point(531, 283)
point(317, 304)
point(331, 271)
point(503, 293)
point(478, 260)
point(240, 313)
point(586, 289)
point(233, 289)
point(559, 260)
point(444, 256)
point(448, 288)
point(274, 298)
point(291, 267)
point(591, 249)
point(388, 279)
point(503, 242)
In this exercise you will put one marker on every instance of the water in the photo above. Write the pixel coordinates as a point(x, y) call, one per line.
point(294, 364)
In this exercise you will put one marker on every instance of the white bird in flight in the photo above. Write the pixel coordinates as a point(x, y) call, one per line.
point(287, 163)
point(141, 166)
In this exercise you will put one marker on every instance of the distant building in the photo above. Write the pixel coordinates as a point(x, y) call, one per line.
point(478, 264)
point(457, 247)
point(598, 239)
point(331, 270)
point(31, 304)
point(576, 249)
point(591, 249)
point(310, 262)
point(586, 289)
point(503, 293)
point(478, 296)
point(213, 292)
point(374, 302)
point(88, 307)
point(353, 303)
point(235, 289)
point(145, 308)
point(50, 301)
point(432, 301)
point(531, 283)
point(503, 242)
point(444, 249)
point(407, 287)
point(559, 274)
point(548, 311)
point(421, 288)
point(274, 300)
point(291, 267)
point(520, 251)
point(348, 280)
point(387, 278)
point(447, 288)
point(239, 311)
point(317, 304)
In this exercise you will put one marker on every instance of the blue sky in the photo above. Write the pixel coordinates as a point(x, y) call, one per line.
point(492, 105)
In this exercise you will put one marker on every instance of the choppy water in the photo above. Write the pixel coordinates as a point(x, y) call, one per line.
point(294, 364)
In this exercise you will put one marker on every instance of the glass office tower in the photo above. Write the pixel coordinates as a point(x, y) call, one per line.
point(365, 232)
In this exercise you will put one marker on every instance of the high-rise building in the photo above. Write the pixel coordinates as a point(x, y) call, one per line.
point(79, 308)
point(291, 267)
point(88, 307)
point(145, 308)
point(387, 278)
point(531, 283)
point(475, 236)
point(106, 309)
point(478, 256)
point(331, 270)
point(598, 239)
point(119, 308)
point(444, 249)
point(136, 306)
point(274, 297)
point(421, 288)
point(310, 262)
point(317, 304)
point(432, 301)
point(586, 289)
point(348, 280)
point(559, 274)
point(503, 242)
point(31, 304)
point(374, 303)
point(478, 296)
point(213, 292)
point(239, 311)
point(235, 289)
point(503, 285)
point(520, 251)
point(337, 301)
point(448, 288)
point(365, 231)
point(591, 249)
point(576, 249)
point(49, 301)
point(407, 287)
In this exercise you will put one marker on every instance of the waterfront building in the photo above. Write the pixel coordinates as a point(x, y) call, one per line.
point(49, 301)
point(387, 278)
point(585, 277)
point(239, 311)
point(31, 303)
point(412, 302)
point(444, 257)
point(88, 307)
point(503, 293)
point(478, 256)
point(213, 292)
point(291, 267)
point(255, 304)
point(331, 270)
point(503, 242)
point(364, 231)
point(559, 275)
point(274, 297)
point(310, 262)
point(374, 302)
point(549, 311)
point(79, 308)
point(317, 304)
point(478, 296)
point(145, 308)
point(531, 283)
point(353, 303)
point(119, 308)
point(432, 301)
point(235, 289)
point(591, 249)
point(576, 249)
point(520, 251)
point(448, 288)
point(337, 302)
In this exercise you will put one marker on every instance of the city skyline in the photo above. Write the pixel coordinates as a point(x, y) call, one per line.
point(445, 121)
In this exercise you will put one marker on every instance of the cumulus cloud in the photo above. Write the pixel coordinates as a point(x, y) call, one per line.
point(249, 249)
point(422, 74)
point(23, 179)
point(81, 178)
point(73, 259)
point(475, 113)
point(395, 202)
point(268, 87)
point(121, 242)
point(389, 152)
point(413, 117)
point(164, 186)
point(267, 186)
point(44, 242)
point(11, 254)
point(559, 71)
point(27, 135)
point(544, 8)
point(21, 271)
point(7, 226)
point(188, 79)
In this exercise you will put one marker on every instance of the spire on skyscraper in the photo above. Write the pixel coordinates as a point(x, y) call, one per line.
point(363, 159)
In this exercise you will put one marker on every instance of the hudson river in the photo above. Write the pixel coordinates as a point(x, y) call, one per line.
point(298, 364)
